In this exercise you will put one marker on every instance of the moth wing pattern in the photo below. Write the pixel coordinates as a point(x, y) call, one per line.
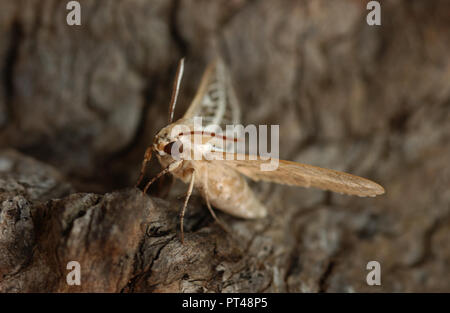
point(298, 174)
point(216, 102)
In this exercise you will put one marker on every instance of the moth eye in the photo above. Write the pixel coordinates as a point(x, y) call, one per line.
point(178, 147)
point(168, 147)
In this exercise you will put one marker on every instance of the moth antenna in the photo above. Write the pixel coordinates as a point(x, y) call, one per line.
point(176, 89)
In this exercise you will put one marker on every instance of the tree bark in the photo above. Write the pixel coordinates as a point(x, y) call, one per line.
point(79, 105)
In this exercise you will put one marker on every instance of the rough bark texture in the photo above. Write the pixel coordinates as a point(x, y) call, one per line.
point(79, 104)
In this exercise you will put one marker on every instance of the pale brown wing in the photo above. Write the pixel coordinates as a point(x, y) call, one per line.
point(215, 100)
point(297, 174)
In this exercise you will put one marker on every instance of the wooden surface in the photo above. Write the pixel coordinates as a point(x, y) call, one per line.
point(78, 106)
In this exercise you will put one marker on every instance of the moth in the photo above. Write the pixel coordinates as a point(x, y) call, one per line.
point(220, 178)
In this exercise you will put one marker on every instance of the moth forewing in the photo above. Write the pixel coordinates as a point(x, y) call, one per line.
point(298, 174)
point(176, 89)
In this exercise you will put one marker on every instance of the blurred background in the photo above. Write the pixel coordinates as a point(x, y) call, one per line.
point(370, 100)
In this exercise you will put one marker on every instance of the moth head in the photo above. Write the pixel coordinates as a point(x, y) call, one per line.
point(167, 145)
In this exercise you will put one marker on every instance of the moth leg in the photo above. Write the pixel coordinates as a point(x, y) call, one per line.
point(208, 204)
point(181, 196)
point(186, 200)
point(172, 166)
point(147, 158)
